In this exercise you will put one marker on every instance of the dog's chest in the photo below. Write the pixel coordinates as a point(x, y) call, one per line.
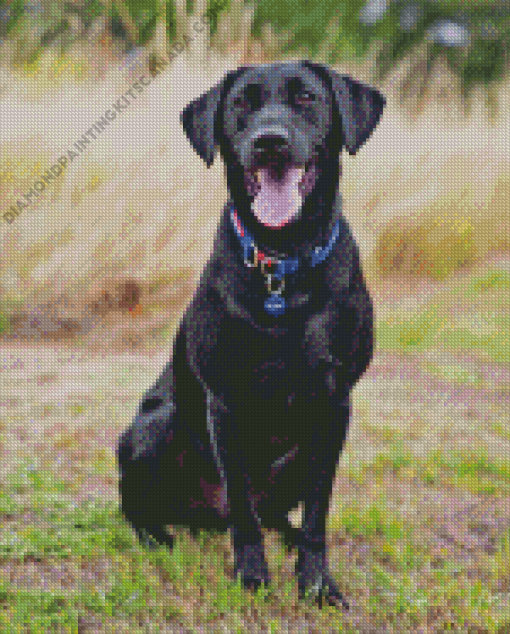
point(257, 367)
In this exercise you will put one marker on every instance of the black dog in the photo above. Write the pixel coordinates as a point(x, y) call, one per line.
point(249, 417)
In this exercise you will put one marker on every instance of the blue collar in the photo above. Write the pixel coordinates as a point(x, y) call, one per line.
point(275, 268)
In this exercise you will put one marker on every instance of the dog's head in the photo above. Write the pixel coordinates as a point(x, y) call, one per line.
point(280, 127)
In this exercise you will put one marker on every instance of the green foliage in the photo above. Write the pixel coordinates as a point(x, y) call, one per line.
point(12, 12)
point(307, 20)
point(171, 20)
point(484, 62)
point(325, 29)
point(354, 39)
point(214, 8)
point(403, 42)
point(145, 14)
point(315, 23)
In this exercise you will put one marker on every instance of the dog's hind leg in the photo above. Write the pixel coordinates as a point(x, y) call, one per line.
point(139, 456)
point(168, 475)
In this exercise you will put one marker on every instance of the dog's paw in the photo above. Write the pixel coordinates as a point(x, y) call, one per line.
point(315, 581)
point(251, 566)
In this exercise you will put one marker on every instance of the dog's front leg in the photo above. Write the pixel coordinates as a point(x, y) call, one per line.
point(250, 563)
point(312, 568)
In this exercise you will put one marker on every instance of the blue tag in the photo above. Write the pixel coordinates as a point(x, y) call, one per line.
point(275, 305)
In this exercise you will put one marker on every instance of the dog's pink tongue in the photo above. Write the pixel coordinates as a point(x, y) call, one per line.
point(278, 199)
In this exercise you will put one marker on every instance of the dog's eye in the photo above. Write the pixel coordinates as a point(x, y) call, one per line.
point(304, 98)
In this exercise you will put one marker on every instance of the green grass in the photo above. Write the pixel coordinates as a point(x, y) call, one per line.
point(471, 471)
point(432, 327)
point(393, 572)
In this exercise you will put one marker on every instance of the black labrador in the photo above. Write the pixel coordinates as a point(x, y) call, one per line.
point(249, 417)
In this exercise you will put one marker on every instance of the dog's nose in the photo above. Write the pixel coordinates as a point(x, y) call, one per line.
point(271, 140)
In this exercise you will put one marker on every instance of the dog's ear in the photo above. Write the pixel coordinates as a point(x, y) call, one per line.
point(199, 117)
point(359, 106)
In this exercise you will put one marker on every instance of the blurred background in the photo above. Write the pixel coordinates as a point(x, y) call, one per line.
point(107, 217)
point(109, 250)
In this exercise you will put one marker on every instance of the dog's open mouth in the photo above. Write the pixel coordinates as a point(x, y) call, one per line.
point(278, 191)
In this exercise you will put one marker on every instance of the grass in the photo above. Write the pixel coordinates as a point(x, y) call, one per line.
point(484, 330)
point(382, 557)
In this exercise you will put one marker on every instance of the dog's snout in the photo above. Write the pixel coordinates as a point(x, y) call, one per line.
point(270, 142)
point(271, 139)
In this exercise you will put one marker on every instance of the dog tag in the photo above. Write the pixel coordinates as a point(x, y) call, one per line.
point(275, 305)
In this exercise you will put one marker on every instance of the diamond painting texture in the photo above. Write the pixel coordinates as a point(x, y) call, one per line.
point(253, 320)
